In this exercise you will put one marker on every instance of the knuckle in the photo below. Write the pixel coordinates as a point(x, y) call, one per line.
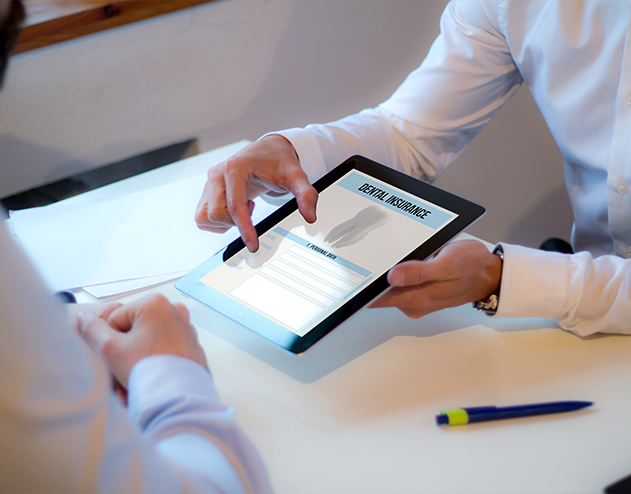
point(201, 217)
point(109, 347)
point(214, 172)
point(88, 328)
point(311, 193)
point(307, 193)
point(210, 206)
point(213, 218)
point(238, 213)
point(157, 300)
point(161, 299)
point(295, 175)
point(232, 205)
point(420, 274)
point(180, 307)
point(233, 166)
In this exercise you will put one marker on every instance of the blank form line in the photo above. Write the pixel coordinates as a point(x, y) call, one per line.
point(277, 302)
point(314, 271)
point(326, 264)
point(295, 285)
point(314, 282)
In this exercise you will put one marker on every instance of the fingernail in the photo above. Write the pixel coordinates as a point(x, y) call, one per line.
point(83, 318)
point(395, 277)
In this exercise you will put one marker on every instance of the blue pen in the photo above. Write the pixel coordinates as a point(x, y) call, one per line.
point(461, 416)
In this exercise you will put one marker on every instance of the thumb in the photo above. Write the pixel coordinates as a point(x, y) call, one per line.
point(413, 273)
point(306, 197)
point(95, 331)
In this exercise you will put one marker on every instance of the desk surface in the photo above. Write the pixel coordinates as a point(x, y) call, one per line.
point(355, 414)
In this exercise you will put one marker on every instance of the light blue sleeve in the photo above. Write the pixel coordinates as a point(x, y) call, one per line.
point(175, 403)
point(62, 429)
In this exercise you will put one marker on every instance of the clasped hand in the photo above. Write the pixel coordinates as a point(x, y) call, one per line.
point(125, 334)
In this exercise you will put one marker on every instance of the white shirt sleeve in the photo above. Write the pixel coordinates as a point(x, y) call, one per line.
point(423, 127)
point(582, 294)
point(428, 122)
point(62, 428)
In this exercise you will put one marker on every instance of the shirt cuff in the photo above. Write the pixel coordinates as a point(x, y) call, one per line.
point(160, 379)
point(534, 283)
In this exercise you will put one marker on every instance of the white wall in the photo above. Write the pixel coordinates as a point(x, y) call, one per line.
point(235, 69)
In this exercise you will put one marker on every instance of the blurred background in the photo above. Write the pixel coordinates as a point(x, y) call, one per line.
point(189, 81)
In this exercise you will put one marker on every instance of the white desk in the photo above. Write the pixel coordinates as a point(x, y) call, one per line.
point(355, 414)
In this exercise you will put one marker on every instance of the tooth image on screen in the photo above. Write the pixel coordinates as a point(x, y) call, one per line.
point(354, 230)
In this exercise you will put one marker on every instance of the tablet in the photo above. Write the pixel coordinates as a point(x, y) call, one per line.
point(306, 279)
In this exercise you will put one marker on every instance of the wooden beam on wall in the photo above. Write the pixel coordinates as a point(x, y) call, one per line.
point(53, 21)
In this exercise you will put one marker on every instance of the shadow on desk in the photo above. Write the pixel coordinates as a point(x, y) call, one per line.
point(366, 330)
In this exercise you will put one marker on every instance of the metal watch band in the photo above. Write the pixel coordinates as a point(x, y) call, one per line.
point(489, 305)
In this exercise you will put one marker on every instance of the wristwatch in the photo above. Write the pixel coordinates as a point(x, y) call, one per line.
point(489, 305)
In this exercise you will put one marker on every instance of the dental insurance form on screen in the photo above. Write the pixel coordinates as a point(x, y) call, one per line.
point(303, 272)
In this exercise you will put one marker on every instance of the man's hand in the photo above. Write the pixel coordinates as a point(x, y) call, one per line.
point(270, 164)
point(99, 310)
point(461, 272)
point(150, 326)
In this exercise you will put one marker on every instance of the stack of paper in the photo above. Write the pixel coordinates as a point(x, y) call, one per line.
point(129, 241)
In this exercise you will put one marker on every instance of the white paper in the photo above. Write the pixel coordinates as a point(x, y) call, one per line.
point(122, 287)
point(133, 236)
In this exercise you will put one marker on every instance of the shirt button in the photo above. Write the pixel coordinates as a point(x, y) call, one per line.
point(623, 189)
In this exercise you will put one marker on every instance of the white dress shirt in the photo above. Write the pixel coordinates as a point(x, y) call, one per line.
point(63, 430)
point(575, 57)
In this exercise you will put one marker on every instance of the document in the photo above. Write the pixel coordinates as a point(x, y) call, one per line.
point(138, 235)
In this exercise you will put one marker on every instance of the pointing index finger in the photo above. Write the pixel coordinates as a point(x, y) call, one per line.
point(240, 207)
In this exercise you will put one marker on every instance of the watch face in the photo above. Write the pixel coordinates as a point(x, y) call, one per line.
point(488, 306)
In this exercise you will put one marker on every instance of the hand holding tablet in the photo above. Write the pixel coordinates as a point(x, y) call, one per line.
point(460, 273)
point(306, 279)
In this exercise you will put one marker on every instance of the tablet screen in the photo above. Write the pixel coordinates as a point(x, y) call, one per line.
point(304, 273)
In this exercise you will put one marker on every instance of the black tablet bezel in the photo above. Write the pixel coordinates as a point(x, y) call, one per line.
point(467, 212)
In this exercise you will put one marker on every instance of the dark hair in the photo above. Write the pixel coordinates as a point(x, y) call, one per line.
point(9, 31)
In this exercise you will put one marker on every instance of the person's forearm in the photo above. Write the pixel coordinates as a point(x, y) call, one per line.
point(62, 428)
point(373, 133)
point(430, 119)
point(174, 402)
